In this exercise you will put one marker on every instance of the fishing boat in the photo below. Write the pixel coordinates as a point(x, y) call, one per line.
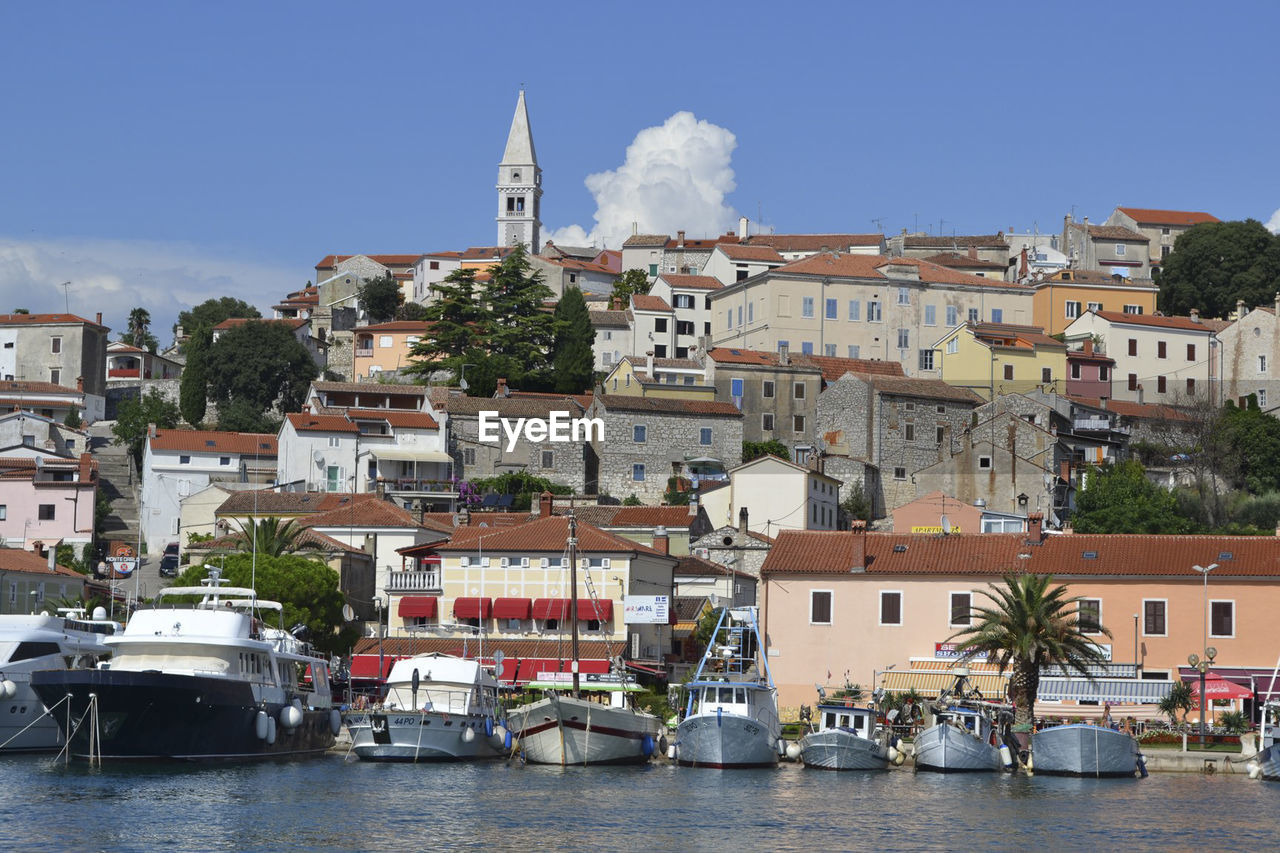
point(730, 718)
point(583, 720)
point(38, 642)
point(1081, 749)
point(846, 737)
point(437, 708)
point(961, 735)
point(208, 680)
point(1266, 764)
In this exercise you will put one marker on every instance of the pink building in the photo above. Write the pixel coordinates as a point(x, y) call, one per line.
point(1089, 373)
point(47, 501)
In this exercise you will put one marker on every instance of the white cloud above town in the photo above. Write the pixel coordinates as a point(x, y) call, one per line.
point(114, 276)
point(1273, 224)
point(675, 177)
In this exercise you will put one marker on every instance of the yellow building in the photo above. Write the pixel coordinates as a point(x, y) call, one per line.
point(669, 378)
point(997, 358)
point(1068, 294)
point(385, 346)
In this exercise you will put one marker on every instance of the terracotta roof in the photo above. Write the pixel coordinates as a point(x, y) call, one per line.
point(661, 405)
point(834, 367)
point(955, 260)
point(45, 319)
point(1154, 321)
point(995, 554)
point(687, 608)
point(648, 302)
point(701, 243)
point(690, 565)
point(908, 386)
point(1096, 277)
point(1150, 216)
point(545, 534)
point(307, 422)
point(513, 407)
point(645, 240)
point(1140, 411)
point(16, 560)
point(1031, 335)
point(206, 441)
point(25, 387)
point(735, 252)
point(444, 255)
point(374, 513)
point(398, 418)
point(386, 260)
point(955, 242)
point(610, 318)
point(486, 253)
point(676, 363)
point(576, 264)
point(875, 266)
point(691, 282)
point(1111, 232)
point(1081, 355)
point(263, 502)
point(419, 327)
point(813, 242)
point(670, 517)
point(306, 536)
point(392, 388)
point(235, 322)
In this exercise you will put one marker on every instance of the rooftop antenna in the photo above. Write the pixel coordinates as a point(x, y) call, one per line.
point(66, 292)
point(878, 221)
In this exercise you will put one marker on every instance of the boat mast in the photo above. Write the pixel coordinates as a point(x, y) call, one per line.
point(573, 599)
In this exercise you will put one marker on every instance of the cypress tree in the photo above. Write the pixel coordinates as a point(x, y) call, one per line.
point(193, 390)
point(573, 359)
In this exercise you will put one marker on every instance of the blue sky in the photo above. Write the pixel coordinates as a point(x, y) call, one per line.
point(159, 154)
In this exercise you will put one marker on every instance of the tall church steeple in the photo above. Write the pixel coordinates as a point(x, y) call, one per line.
point(520, 186)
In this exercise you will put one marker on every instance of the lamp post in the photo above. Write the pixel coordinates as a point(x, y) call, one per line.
point(1137, 664)
point(1204, 603)
point(377, 602)
point(1203, 666)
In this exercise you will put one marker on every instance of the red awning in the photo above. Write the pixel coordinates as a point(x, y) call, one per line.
point(512, 608)
point(418, 606)
point(472, 608)
point(650, 670)
point(600, 610)
point(558, 608)
point(530, 667)
point(366, 666)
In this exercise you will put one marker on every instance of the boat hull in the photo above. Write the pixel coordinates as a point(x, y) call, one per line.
point(1269, 761)
point(948, 749)
point(155, 715)
point(727, 741)
point(1084, 750)
point(564, 730)
point(422, 736)
point(24, 724)
point(835, 749)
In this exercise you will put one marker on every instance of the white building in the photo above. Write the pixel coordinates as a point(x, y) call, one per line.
point(775, 495)
point(690, 299)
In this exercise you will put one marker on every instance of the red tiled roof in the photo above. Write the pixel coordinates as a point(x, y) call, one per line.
point(207, 441)
point(374, 513)
point(1075, 276)
point(1150, 216)
point(575, 264)
point(813, 242)
point(16, 560)
point(1140, 411)
point(701, 242)
point(670, 517)
point(646, 240)
point(648, 302)
point(398, 418)
point(955, 260)
point(418, 327)
point(24, 387)
point(1184, 323)
point(697, 566)
point(265, 502)
point(1111, 232)
point(391, 388)
point(736, 252)
point(306, 537)
point(43, 319)
point(910, 386)
point(662, 405)
point(1033, 336)
point(330, 261)
point(485, 253)
point(545, 534)
point(834, 367)
point(307, 422)
point(691, 282)
point(874, 266)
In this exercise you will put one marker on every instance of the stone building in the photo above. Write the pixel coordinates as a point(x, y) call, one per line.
point(738, 547)
point(648, 440)
point(1248, 349)
point(61, 349)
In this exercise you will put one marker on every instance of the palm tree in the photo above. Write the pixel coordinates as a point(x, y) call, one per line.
point(1030, 625)
point(1179, 698)
point(272, 537)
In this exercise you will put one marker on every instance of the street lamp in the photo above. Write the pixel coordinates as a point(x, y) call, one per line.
point(1203, 666)
point(1204, 602)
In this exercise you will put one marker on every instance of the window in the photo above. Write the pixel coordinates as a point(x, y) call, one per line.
point(1046, 375)
point(1008, 371)
point(1075, 370)
point(1090, 616)
point(1133, 309)
point(1073, 309)
point(890, 608)
point(685, 327)
point(184, 460)
point(904, 296)
point(637, 472)
point(1191, 352)
point(1104, 373)
point(1133, 382)
point(854, 349)
point(1262, 364)
point(806, 306)
point(435, 265)
point(953, 316)
point(1094, 306)
point(704, 436)
point(926, 359)
point(55, 376)
point(855, 310)
point(820, 607)
point(960, 608)
point(973, 315)
point(224, 460)
point(984, 462)
point(548, 459)
point(829, 350)
point(797, 424)
point(1120, 247)
point(1262, 398)
point(1133, 346)
point(4, 512)
point(797, 390)
point(806, 347)
point(1161, 350)
point(1191, 385)
point(930, 315)
point(1222, 622)
point(741, 275)
point(735, 387)
point(739, 316)
point(45, 512)
point(904, 338)
point(660, 324)
point(900, 473)
point(683, 300)
point(766, 389)
point(782, 344)
point(997, 315)
point(832, 311)
point(766, 422)
point(784, 305)
point(908, 431)
point(639, 433)
point(873, 312)
point(1153, 617)
point(941, 434)
point(468, 456)
point(653, 270)
point(953, 346)
point(55, 344)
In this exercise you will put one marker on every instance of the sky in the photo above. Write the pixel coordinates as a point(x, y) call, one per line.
point(160, 154)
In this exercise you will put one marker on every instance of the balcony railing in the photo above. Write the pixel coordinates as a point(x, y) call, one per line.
point(1092, 423)
point(402, 582)
point(409, 484)
point(364, 352)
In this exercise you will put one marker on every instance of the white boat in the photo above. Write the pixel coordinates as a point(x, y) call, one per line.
point(1268, 758)
point(202, 681)
point(437, 708)
point(564, 727)
point(1080, 749)
point(730, 718)
point(848, 738)
point(961, 736)
point(37, 642)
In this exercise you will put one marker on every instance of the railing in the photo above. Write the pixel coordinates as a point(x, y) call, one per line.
point(407, 484)
point(1091, 423)
point(414, 582)
point(364, 352)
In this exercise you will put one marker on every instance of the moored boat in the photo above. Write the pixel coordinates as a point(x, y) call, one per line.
point(848, 738)
point(436, 708)
point(961, 735)
point(1080, 749)
point(198, 682)
point(731, 711)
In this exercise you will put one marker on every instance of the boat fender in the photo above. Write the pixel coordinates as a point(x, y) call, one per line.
point(1006, 756)
point(900, 760)
point(1142, 765)
point(260, 725)
point(468, 734)
point(719, 722)
point(893, 754)
point(335, 721)
point(8, 689)
point(663, 744)
point(1031, 764)
point(793, 751)
point(498, 738)
point(1254, 768)
point(290, 717)
point(672, 752)
point(271, 730)
point(488, 726)
point(782, 747)
point(506, 739)
point(646, 745)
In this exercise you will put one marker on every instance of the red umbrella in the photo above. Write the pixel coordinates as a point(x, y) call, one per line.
point(1217, 687)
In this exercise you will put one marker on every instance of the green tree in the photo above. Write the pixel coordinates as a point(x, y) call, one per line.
point(307, 589)
point(1179, 699)
point(1029, 625)
point(457, 324)
point(857, 505)
point(193, 388)
point(73, 418)
point(1120, 499)
point(134, 415)
point(1254, 438)
point(1216, 263)
point(411, 311)
point(629, 284)
point(380, 298)
point(521, 328)
point(573, 354)
point(211, 312)
point(139, 331)
point(271, 536)
point(772, 447)
point(258, 366)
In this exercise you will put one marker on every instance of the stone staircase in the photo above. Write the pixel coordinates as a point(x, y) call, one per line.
point(115, 482)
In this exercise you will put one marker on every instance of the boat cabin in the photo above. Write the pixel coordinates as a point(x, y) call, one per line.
point(440, 683)
point(971, 720)
point(723, 698)
point(859, 721)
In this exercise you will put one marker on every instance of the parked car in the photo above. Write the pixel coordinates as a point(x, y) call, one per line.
point(169, 562)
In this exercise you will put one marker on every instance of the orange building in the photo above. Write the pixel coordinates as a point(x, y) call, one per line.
point(1067, 294)
point(385, 347)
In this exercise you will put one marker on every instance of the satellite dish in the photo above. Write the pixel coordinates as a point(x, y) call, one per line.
point(347, 613)
point(318, 457)
point(946, 525)
point(462, 383)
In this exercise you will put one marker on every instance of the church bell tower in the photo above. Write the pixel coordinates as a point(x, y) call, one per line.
point(520, 186)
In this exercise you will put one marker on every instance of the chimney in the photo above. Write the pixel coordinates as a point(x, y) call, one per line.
point(661, 542)
point(635, 228)
point(1024, 269)
point(1068, 529)
point(1035, 527)
point(80, 384)
point(693, 505)
point(1278, 303)
point(680, 239)
point(419, 510)
point(151, 430)
point(742, 520)
point(544, 505)
point(53, 560)
point(1195, 315)
point(464, 516)
point(1064, 470)
point(973, 252)
point(1088, 346)
point(742, 229)
point(648, 363)
point(859, 529)
point(99, 318)
point(784, 355)
point(1240, 312)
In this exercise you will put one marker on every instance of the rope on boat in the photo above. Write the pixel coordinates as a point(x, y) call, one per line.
point(48, 713)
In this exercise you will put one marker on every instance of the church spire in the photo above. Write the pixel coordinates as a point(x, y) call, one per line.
point(520, 186)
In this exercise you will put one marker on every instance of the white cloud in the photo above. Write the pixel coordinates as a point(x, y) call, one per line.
point(1273, 224)
point(115, 276)
point(675, 178)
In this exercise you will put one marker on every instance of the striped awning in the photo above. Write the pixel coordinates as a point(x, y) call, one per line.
point(933, 683)
point(1114, 690)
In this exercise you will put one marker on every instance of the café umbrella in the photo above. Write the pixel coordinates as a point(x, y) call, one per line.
point(1217, 687)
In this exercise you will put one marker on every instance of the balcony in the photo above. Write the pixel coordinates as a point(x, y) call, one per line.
point(414, 582)
point(364, 352)
point(410, 485)
point(1091, 424)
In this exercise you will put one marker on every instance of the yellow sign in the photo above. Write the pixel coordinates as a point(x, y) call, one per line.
point(955, 528)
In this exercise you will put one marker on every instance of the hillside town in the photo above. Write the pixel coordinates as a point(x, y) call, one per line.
point(856, 433)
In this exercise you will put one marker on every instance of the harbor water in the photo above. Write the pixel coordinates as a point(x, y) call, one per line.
point(332, 804)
